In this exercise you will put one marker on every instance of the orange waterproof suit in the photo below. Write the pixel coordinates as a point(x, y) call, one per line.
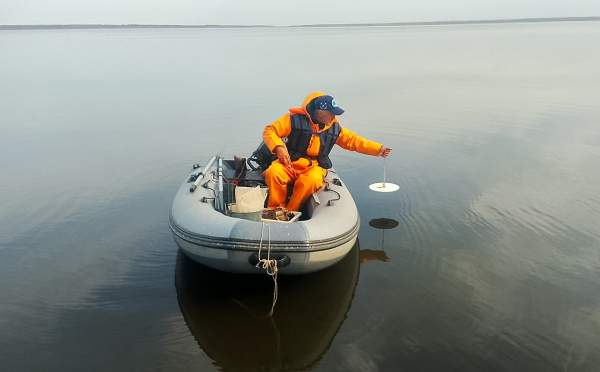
point(306, 173)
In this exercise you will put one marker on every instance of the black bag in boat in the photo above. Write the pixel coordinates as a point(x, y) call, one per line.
point(261, 158)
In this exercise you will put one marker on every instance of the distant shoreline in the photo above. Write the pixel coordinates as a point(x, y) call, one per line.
point(434, 23)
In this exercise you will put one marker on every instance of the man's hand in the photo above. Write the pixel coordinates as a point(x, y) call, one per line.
point(384, 151)
point(283, 155)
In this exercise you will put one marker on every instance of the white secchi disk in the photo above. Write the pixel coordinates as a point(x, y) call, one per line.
point(384, 187)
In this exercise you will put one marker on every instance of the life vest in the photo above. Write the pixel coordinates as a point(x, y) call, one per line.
point(300, 137)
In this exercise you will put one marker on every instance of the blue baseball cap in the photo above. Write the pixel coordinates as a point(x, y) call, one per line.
point(328, 103)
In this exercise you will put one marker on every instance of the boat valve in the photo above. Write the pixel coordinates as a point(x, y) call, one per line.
point(196, 166)
point(205, 199)
point(193, 188)
point(329, 203)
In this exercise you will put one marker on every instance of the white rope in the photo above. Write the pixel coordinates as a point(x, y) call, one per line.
point(360, 166)
point(383, 172)
point(268, 264)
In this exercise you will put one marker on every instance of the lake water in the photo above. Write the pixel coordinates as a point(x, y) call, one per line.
point(494, 264)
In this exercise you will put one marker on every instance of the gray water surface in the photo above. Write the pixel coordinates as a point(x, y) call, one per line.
point(494, 264)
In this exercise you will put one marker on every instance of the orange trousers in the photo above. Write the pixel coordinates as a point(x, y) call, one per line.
point(306, 179)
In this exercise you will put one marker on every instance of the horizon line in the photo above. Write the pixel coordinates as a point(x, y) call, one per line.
point(433, 23)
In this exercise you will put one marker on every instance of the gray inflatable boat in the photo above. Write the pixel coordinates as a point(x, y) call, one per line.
point(207, 232)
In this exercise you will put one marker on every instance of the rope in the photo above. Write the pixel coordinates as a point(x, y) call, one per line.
point(269, 265)
point(360, 166)
point(230, 181)
point(383, 172)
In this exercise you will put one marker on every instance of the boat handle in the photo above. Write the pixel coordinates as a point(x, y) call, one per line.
point(282, 259)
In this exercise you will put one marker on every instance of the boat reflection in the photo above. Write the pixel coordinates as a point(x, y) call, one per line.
point(368, 255)
point(226, 313)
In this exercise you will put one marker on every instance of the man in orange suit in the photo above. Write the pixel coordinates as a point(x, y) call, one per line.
point(311, 132)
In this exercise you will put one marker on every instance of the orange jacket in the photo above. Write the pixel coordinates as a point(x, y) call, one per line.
point(348, 140)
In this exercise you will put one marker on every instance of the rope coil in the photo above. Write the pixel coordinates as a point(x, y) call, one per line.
point(269, 265)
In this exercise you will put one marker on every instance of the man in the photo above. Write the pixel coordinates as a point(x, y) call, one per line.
point(311, 132)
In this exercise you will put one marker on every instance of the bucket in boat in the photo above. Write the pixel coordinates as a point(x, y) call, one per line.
point(251, 216)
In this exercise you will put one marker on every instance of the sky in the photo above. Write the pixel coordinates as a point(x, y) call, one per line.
point(282, 12)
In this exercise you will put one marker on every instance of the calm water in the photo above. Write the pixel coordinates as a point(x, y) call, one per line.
point(494, 264)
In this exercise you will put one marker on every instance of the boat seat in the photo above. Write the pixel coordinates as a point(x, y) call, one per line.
point(248, 175)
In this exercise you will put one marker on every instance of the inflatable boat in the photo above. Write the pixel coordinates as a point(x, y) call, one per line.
point(320, 235)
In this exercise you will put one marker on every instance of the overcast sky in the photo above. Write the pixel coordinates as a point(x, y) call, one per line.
point(282, 12)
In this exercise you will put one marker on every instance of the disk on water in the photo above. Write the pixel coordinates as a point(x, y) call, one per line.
point(384, 186)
